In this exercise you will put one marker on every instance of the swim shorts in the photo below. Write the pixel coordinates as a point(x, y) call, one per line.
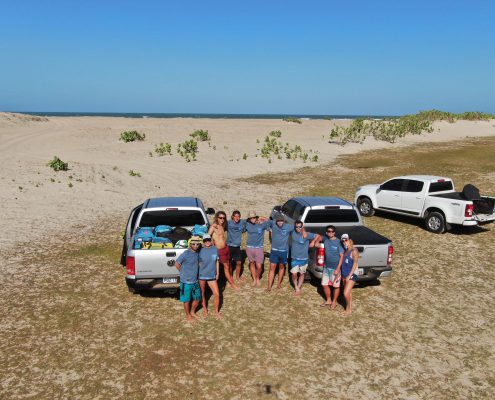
point(329, 279)
point(189, 291)
point(255, 254)
point(278, 256)
point(298, 266)
point(224, 255)
point(235, 253)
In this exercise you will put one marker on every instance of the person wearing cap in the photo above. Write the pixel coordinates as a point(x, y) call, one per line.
point(235, 228)
point(301, 241)
point(255, 228)
point(280, 248)
point(331, 278)
point(208, 274)
point(188, 265)
point(349, 266)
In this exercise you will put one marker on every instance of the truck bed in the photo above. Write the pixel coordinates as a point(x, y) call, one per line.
point(361, 235)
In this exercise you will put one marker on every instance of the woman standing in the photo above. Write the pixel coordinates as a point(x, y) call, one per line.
point(208, 273)
point(349, 266)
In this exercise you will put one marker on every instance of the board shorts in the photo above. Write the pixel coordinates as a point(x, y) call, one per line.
point(278, 256)
point(224, 255)
point(298, 266)
point(329, 279)
point(235, 253)
point(207, 278)
point(189, 291)
point(354, 278)
point(255, 254)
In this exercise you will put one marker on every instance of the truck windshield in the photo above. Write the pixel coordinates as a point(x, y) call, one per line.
point(328, 216)
point(440, 186)
point(172, 217)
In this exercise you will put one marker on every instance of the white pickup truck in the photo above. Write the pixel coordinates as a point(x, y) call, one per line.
point(431, 198)
point(154, 268)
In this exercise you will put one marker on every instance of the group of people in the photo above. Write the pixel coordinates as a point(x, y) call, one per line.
point(199, 265)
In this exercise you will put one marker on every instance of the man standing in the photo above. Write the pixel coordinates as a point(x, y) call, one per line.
point(280, 248)
point(188, 265)
point(217, 232)
point(300, 244)
point(334, 254)
point(236, 226)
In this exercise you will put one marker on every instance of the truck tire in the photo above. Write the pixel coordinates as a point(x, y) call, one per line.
point(435, 222)
point(365, 207)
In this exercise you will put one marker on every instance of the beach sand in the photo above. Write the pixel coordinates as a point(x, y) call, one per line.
point(39, 201)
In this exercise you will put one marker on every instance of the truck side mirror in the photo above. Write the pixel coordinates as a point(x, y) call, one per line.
point(210, 211)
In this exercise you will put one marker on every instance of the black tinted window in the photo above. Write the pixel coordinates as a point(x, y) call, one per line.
point(172, 218)
point(329, 216)
point(440, 186)
point(414, 186)
point(298, 211)
point(288, 208)
point(394, 184)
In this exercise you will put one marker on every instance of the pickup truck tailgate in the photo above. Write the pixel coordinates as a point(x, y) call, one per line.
point(156, 263)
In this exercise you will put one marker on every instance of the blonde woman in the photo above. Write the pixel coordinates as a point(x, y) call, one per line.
point(349, 266)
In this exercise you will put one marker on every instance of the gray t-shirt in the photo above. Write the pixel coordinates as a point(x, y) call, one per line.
point(256, 234)
point(333, 250)
point(208, 262)
point(300, 246)
point(189, 266)
point(280, 236)
point(235, 232)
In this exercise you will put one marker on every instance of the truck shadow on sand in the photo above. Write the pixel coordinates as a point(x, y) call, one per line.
point(419, 223)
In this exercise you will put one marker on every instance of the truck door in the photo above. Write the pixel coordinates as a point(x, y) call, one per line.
point(413, 197)
point(131, 222)
point(389, 194)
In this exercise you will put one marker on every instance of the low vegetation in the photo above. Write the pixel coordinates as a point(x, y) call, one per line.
point(293, 119)
point(391, 129)
point(58, 165)
point(188, 149)
point(163, 149)
point(132, 136)
point(134, 173)
point(200, 135)
point(275, 148)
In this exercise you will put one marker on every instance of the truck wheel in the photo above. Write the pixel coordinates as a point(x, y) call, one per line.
point(435, 222)
point(365, 207)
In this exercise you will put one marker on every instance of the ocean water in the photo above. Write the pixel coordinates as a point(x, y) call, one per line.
point(197, 115)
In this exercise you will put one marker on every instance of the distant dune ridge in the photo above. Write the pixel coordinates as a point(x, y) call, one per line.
point(99, 182)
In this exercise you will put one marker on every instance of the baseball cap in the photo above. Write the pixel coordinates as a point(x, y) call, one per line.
point(206, 237)
point(252, 214)
point(344, 236)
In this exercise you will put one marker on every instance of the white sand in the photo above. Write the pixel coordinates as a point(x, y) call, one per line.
point(33, 205)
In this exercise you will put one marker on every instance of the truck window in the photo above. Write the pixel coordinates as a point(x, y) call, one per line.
point(298, 211)
point(328, 216)
point(172, 217)
point(394, 184)
point(288, 208)
point(440, 186)
point(414, 186)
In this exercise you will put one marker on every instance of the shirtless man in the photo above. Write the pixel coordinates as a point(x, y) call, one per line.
point(217, 232)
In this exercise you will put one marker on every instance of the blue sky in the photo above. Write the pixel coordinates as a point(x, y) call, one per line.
point(312, 57)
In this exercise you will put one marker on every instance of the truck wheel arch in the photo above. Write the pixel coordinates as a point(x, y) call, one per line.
point(443, 226)
point(363, 198)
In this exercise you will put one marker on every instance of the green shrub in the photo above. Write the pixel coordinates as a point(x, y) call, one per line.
point(293, 119)
point(200, 135)
point(58, 165)
point(188, 150)
point(276, 134)
point(131, 136)
point(163, 149)
point(273, 147)
point(244, 156)
point(134, 173)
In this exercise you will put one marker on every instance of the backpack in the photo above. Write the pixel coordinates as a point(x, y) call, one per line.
point(471, 192)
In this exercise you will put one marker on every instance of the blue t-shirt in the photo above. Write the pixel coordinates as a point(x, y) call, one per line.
point(280, 236)
point(300, 246)
point(235, 232)
point(208, 262)
point(256, 234)
point(333, 250)
point(189, 266)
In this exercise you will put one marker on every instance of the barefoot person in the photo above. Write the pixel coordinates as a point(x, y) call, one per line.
point(254, 246)
point(217, 231)
point(188, 265)
point(208, 273)
point(349, 266)
point(280, 247)
point(236, 226)
point(301, 241)
point(334, 254)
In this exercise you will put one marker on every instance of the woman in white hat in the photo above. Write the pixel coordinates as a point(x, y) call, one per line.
point(349, 266)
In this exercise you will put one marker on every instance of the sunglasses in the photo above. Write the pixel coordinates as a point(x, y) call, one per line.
point(345, 240)
point(330, 231)
point(220, 217)
point(299, 227)
point(194, 244)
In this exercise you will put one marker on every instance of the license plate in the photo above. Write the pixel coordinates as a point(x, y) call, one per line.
point(169, 280)
point(359, 271)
